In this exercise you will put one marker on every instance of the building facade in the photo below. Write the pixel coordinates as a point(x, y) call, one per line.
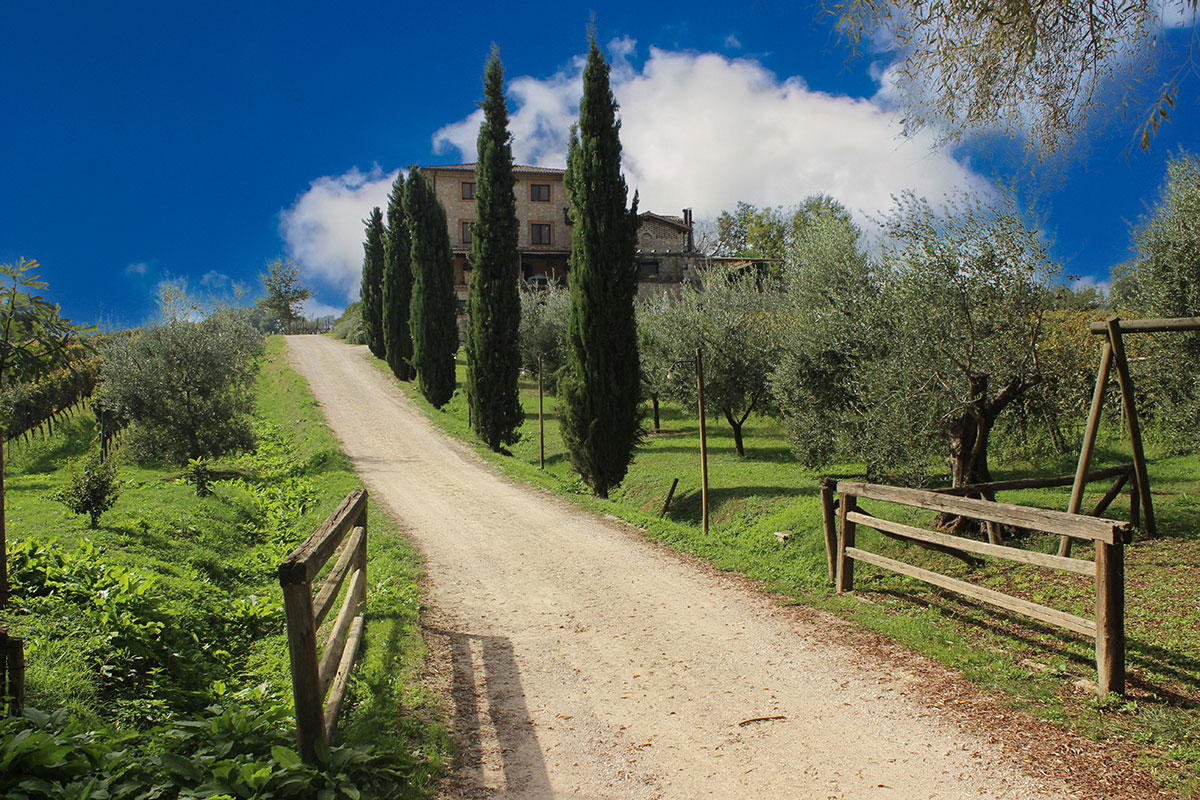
point(665, 245)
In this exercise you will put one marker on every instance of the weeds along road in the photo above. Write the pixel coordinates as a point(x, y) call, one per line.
point(586, 662)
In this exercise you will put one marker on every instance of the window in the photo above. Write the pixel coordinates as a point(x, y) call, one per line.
point(539, 233)
point(539, 192)
point(468, 190)
point(466, 232)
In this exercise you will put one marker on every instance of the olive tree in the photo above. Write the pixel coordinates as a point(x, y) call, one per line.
point(912, 357)
point(731, 318)
point(1037, 67)
point(543, 329)
point(1163, 280)
point(185, 385)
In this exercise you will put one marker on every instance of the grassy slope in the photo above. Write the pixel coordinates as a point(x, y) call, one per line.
point(205, 556)
point(1035, 667)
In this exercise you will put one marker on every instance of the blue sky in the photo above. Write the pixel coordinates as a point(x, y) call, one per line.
point(145, 142)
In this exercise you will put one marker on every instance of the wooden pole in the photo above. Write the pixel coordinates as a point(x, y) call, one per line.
point(1110, 618)
point(670, 494)
point(1089, 442)
point(845, 564)
point(703, 442)
point(3, 666)
point(541, 416)
point(16, 675)
point(306, 684)
point(1135, 429)
point(829, 521)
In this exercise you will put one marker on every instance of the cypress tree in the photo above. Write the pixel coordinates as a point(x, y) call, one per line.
point(432, 312)
point(397, 285)
point(493, 304)
point(371, 290)
point(601, 419)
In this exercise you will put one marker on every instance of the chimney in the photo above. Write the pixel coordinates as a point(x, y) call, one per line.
point(687, 220)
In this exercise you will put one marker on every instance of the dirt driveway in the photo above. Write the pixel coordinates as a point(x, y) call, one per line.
point(589, 663)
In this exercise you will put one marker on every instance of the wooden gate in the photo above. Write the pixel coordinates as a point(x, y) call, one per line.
point(312, 680)
point(1108, 570)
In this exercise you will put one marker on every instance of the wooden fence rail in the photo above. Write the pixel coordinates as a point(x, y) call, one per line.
point(1108, 626)
point(312, 679)
point(12, 674)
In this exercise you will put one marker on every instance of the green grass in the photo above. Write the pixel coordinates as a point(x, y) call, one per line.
point(1031, 666)
point(211, 564)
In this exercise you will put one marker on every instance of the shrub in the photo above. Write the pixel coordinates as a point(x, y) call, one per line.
point(92, 491)
point(185, 386)
point(200, 476)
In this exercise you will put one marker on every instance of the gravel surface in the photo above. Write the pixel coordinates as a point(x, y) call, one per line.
point(583, 661)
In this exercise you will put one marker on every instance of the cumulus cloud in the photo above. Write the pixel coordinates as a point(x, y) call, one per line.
point(704, 131)
point(323, 229)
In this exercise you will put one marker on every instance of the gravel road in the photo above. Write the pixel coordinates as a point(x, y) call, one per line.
point(585, 662)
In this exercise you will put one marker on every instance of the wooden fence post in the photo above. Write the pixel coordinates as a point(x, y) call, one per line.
point(829, 523)
point(1135, 430)
point(1110, 617)
point(845, 565)
point(306, 685)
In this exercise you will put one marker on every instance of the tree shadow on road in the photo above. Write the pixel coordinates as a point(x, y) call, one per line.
point(489, 701)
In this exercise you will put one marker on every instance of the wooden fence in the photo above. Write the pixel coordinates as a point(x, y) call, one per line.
point(1108, 627)
point(313, 679)
point(12, 674)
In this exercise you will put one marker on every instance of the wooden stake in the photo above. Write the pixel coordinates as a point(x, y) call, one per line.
point(541, 416)
point(16, 675)
point(703, 442)
point(1110, 618)
point(1089, 442)
point(670, 494)
point(1135, 429)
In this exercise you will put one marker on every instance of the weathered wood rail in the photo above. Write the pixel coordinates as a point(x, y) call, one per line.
point(1108, 569)
point(314, 680)
point(12, 674)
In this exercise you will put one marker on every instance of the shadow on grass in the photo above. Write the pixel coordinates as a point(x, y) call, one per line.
point(686, 506)
point(1050, 640)
point(71, 440)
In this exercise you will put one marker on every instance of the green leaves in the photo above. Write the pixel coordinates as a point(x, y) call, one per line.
point(432, 320)
point(493, 307)
point(599, 387)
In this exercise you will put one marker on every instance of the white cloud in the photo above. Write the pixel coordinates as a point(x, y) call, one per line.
point(137, 269)
point(323, 229)
point(704, 131)
point(732, 42)
point(312, 309)
point(214, 280)
point(1175, 13)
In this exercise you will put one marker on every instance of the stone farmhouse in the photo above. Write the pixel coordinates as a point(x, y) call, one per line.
point(666, 251)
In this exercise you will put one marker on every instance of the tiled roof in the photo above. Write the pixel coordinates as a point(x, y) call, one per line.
point(517, 168)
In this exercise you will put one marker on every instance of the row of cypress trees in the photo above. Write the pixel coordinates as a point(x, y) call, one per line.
point(407, 288)
point(408, 305)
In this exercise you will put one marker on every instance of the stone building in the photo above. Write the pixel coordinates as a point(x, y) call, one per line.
point(665, 245)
